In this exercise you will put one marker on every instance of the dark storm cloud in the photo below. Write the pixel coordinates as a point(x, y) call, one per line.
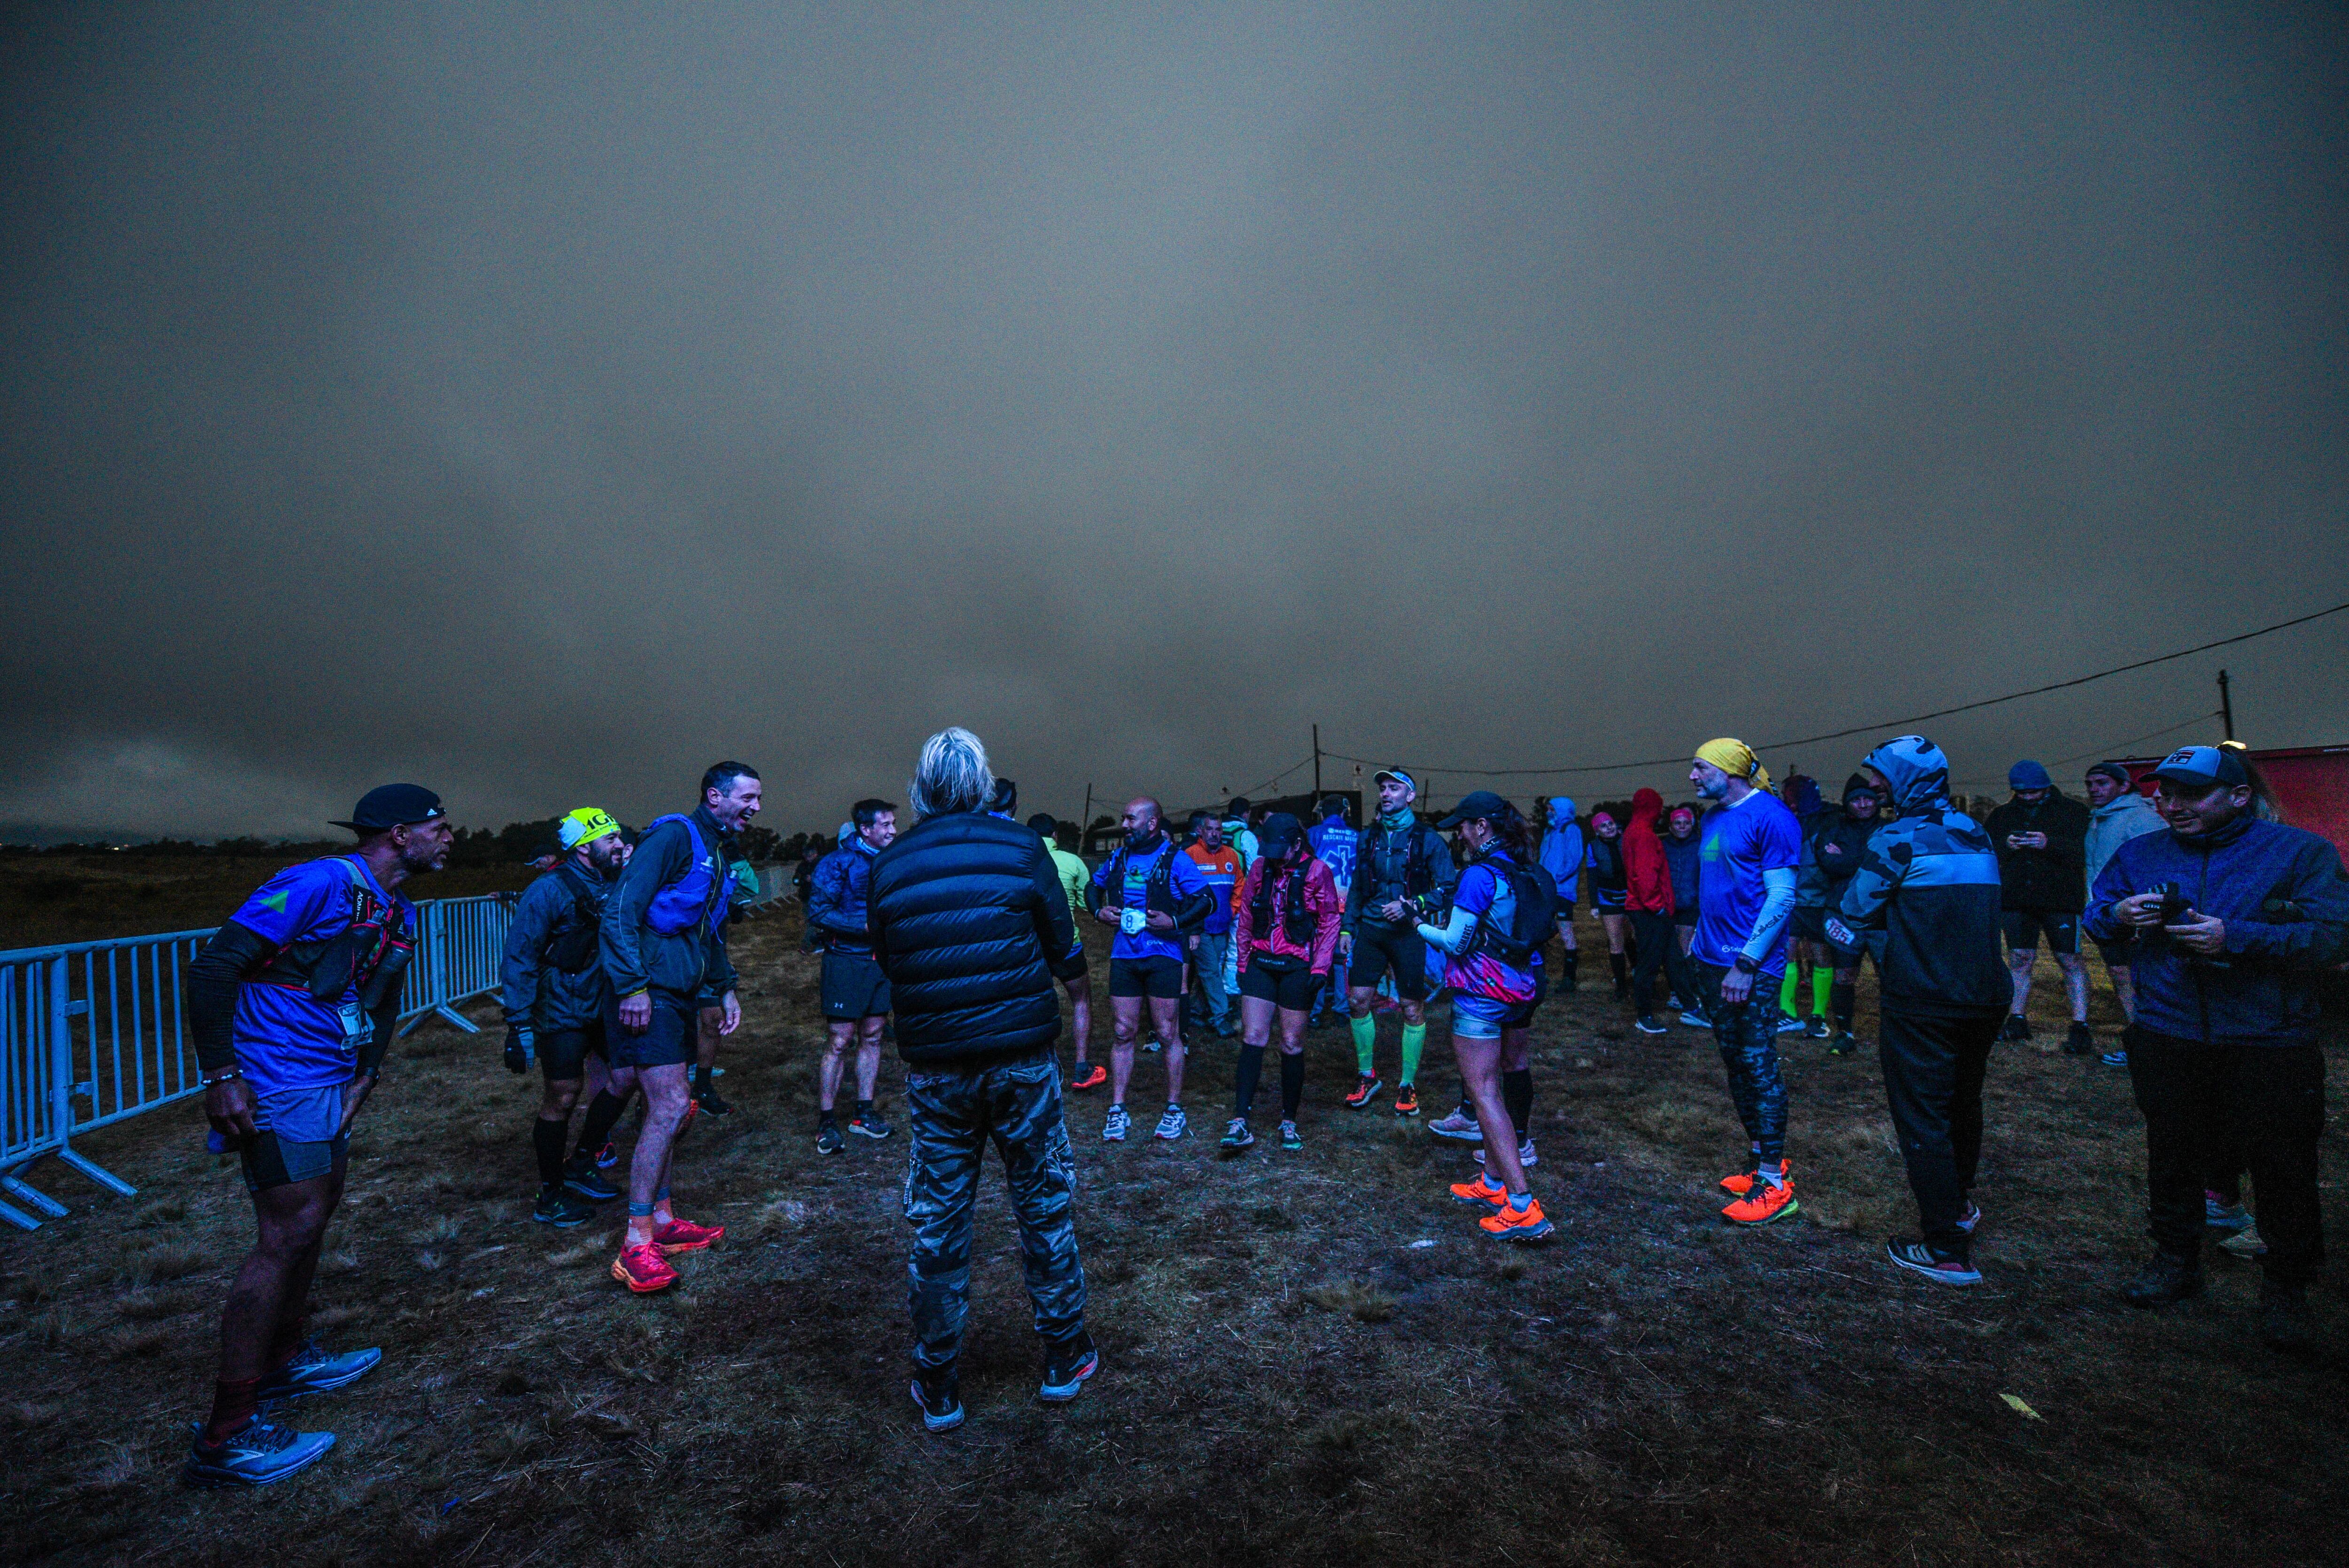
point(543, 407)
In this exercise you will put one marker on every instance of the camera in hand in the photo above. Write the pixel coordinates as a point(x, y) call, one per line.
point(2174, 904)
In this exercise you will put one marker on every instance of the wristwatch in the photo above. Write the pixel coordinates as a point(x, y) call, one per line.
point(1745, 965)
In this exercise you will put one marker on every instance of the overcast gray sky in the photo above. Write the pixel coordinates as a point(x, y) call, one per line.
point(540, 405)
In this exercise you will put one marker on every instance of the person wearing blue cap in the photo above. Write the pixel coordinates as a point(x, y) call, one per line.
point(2230, 921)
point(291, 1006)
point(2040, 837)
point(1398, 860)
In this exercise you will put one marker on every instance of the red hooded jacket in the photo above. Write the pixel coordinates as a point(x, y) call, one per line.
point(1647, 875)
point(1320, 897)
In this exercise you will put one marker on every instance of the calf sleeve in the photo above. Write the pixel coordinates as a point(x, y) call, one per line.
point(546, 1141)
point(1292, 1083)
point(595, 1128)
point(1840, 998)
point(1366, 1042)
point(1251, 1066)
point(1822, 990)
point(1414, 1041)
point(1517, 1099)
point(1786, 988)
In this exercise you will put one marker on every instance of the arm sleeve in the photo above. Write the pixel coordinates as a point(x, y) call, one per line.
point(1055, 930)
point(1098, 884)
point(2315, 940)
point(1453, 935)
point(656, 860)
point(1777, 904)
point(212, 981)
point(1193, 899)
point(1446, 875)
point(525, 952)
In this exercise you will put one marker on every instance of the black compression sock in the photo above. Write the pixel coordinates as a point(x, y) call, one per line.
point(700, 1082)
point(1619, 965)
point(1573, 967)
point(595, 1131)
point(1517, 1099)
point(1840, 998)
point(1292, 1083)
point(824, 1118)
point(863, 1110)
point(546, 1139)
point(1244, 1084)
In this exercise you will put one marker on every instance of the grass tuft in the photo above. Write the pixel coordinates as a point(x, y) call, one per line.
point(1357, 1299)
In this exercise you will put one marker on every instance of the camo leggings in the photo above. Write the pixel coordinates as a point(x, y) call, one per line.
point(1748, 1035)
point(950, 1117)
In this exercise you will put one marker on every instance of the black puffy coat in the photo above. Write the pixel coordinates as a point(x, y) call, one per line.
point(970, 924)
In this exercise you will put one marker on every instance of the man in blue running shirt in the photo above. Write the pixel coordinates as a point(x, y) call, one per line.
point(1154, 895)
point(292, 1004)
point(1745, 895)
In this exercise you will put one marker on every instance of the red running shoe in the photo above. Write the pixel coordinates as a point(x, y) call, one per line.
point(685, 1236)
point(642, 1269)
point(1090, 1075)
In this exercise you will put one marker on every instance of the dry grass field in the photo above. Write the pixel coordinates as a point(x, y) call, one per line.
point(1310, 1357)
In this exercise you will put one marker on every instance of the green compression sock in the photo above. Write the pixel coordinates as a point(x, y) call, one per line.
point(1822, 984)
point(1366, 1042)
point(1414, 1040)
point(1786, 991)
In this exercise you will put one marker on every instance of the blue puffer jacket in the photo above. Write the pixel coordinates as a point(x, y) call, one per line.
point(962, 912)
point(835, 906)
point(2286, 907)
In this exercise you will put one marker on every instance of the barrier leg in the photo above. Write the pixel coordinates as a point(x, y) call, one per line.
point(18, 1218)
point(98, 1173)
point(454, 1017)
point(33, 1195)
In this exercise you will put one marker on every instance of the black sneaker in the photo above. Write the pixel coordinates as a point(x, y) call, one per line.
point(712, 1104)
point(938, 1393)
point(1919, 1259)
point(828, 1140)
point(1067, 1367)
point(580, 1180)
point(2284, 1321)
point(2166, 1279)
point(1843, 1045)
point(558, 1208)
point(868, 1126)
point(1237, 1136)
point(1647, 1025)
point(2079, 1041)
point(2014, 1028)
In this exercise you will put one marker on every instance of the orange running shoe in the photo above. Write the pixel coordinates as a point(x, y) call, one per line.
point(1526, 1224)
point(1482, 1192)
point(1090, 1075)
point(1737, 1186)
point(685, 1236)
point(1407, 1101)
point(642, 1269)
point(1768, 1201)
point(1365, 1086)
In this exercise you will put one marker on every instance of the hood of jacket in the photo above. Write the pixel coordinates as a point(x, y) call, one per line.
point(1647, 877)
point(1914, 769)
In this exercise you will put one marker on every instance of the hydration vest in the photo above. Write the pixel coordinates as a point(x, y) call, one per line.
point(1158, 888)
point(1296, 920)
point(575, 949)
point(1535, 897)
point(698, 897)
point(367, 956)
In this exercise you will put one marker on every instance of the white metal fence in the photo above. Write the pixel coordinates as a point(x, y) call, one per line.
point(96, 1032)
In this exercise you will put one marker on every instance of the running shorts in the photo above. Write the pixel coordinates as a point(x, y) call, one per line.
point(1161, 977)
point(1809, 924)
point(1291, 990)
point(2024, 928)
point(1484, 1018)
point(562, 1053)
point(853, 986)
point(1382, 950)
point(668, 1041)
point(300, 1137)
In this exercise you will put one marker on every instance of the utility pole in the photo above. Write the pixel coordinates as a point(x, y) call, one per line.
point(2226, 705)
point(1316, 764)
point(1085, 822)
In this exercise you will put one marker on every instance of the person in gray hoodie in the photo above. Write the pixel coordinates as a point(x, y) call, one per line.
point(2116, 813)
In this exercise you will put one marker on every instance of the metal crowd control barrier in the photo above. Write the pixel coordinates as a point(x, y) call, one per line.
point(96, 1032)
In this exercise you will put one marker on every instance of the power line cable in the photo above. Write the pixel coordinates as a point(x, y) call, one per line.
point(1889, 724)
point(2111, 748)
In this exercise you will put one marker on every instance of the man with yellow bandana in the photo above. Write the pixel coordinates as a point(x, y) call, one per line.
point(1745, 896)
point(553, 994)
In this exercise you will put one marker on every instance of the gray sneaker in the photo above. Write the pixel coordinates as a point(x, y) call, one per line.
point(313, 1371)
point(256, 1456)
point(1116, 1125)
point(1460, 1127)
point(1173, 1125)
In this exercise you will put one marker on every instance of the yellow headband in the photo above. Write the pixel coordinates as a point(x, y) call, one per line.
point(1737, 758)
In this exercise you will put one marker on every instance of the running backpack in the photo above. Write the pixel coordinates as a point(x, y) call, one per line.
point(575, 949)
point(1296, 922)
point(1529, 922)
point(1158, 889)
point(367, 956)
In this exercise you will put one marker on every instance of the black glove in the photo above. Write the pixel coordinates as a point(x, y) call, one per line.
point(518, 1044)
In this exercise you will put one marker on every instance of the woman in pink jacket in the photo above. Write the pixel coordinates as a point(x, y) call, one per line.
point(1285, 920)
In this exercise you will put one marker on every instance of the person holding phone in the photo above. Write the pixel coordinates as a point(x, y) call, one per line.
point(2227, 920)
point(2041, 839)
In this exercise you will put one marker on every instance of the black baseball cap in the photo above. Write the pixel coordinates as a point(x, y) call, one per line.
point(1281, 835)
point(1480, 804)
point(393, 806)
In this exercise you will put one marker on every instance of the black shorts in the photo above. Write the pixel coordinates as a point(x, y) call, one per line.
point(853, 986)
point(1379, 949)
point(1607, 903)
point(563, 1053)
point(2116, 954)
point(1684, 914)
point(667, 1041)
point(2024, 928)
point(1161, 977)
point(1291, 990)
point(1809, 924)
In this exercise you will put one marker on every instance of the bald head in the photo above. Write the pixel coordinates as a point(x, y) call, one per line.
point(1140, 819)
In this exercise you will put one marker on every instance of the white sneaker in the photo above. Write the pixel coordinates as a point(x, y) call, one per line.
point(1173, 1125)
point(1525, 1155)
point(1790, 1025)
point(1115, 1124)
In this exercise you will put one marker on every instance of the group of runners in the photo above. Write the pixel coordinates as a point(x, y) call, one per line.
point(616, 981)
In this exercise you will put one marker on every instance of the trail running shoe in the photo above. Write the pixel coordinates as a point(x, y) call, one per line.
point(2079, 1041)
point(1969, 1219)
point(1460, 1127)
point(1843, 1045)
point(1090, 1075)
point(1173, 1125)
point(1647, 1024)
point(1525, 1155)
point(257, 1455)
point(1066, 1369)
point(580, 1180)
point(1514, 1225)
point(313, 1371)
point(1820, 1029)
point(558, 1208)
point(2221, 1215)
point(1116, 1125)
point(1154, 1044)
point(1406, 1100)
point(2166, 1278)
point(685, 1236)
point(828, 1138)
point(1743, 1183)
point(1765, 1203)
point(1289, 1138)
point(1919, 1259)
point(1482, 1193)
point(938, 1393)
point(1790, 1025)
point(2115, 1059)
point(1696, 1020)
point(711, 1103)
point(642, 1269)
point(2014, 1028)
point(607, 1157)
point(1365, 1086)
point(2245, 1243)
point(1237, 1136)
point(868, 1126)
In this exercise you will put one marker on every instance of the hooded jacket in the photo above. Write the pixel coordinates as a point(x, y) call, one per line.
point(681, 964)
point(560, 909)
point(1608, 875)
point(2279, 891)
point(1647, 875)
point(835, 909)
point(1251, 941)
point(967, 919)
point(2126, 816)
point(1833, 846)
point(1561, 849)
point(1686, 858)
point(2051, 879)
point(1930, 879)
